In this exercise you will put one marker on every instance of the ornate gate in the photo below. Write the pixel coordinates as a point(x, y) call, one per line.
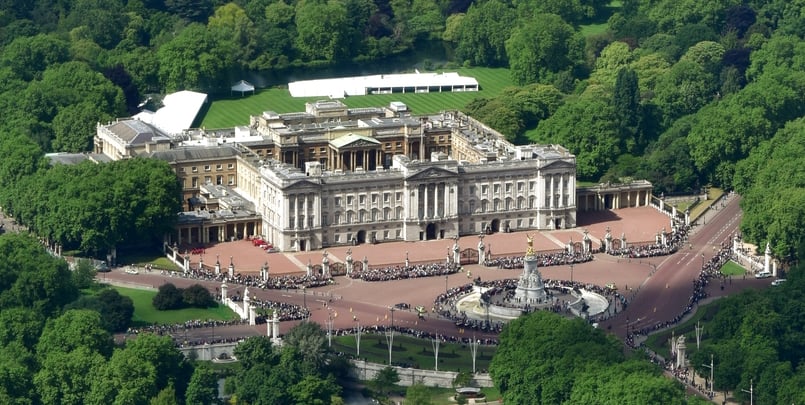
point(338, 269)
point(469, 256)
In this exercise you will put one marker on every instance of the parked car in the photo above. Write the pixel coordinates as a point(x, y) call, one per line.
point(778, 281)
point(763, 274)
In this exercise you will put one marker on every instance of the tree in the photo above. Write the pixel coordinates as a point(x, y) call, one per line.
point(482, 34)
point(310, 342)
point(66, 377)
point(194, 59)
point(168, 297)
point(557, 351)
point(17, 367)
point(626, 101)
point(72, 330)
point(28, 57)
point(84, 274)
point(587, 127)
point(126, 379)
point(116, 310)
point(320, 27)
point(197, 296)
point(255, 350)
point(169, 364)
point(32, 278)
point(417, 394)
point(686, 88)
point(385, 380)
point(203, 386)
point(315, 390)
point(542, 47)
point(20, 325)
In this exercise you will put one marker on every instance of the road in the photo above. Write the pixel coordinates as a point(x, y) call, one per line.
point(666, 293)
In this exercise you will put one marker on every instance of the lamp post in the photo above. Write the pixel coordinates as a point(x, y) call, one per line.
point(392, 309)
point(330, 320)
point(702, 261)
point(357, 337)
point(304, 297)
point(445, 285)
point(710, 366)
point(571, 273)
point(751, 392)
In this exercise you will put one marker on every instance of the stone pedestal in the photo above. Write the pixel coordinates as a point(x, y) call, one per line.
point(530, 288)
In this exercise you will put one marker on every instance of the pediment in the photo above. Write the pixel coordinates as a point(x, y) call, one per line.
point(431, 173)
point(354, 141)
point(558, 165)
point(300, 185)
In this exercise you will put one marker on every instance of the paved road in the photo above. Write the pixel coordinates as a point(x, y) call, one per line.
point(665, 294)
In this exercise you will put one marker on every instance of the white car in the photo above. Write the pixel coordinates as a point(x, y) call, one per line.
point(778, 281)
point(763, 274)
point(132, 271)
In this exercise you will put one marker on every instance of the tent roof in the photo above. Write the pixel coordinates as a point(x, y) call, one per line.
point(243, 86)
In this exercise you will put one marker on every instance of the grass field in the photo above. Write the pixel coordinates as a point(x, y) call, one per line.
point(416, 353)
point(732, 269)
point(232, 111)
point(156, 260)
point(658, 342)
point(146, 314)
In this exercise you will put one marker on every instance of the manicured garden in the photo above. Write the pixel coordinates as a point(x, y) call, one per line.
point(416, 353)
point(146, 314)
point(235, 110)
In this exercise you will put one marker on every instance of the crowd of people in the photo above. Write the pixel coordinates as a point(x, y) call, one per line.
point(711, 270)
point(674, 241)
point(399, 272)
point(176, 328)
point(280, 282)
point(543, 260)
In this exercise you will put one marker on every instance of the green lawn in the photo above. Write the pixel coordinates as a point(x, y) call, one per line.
point(146, 314)
point(417, 353)
point(658, 342)
point(158, 261)
point(231, 111)
point(732, 269)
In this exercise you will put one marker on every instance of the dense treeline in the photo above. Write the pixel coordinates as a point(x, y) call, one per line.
point(756, 339)
point(544, 358)
point(57, 348)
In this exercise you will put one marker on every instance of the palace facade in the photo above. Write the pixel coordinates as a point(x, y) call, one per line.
point(333, 175)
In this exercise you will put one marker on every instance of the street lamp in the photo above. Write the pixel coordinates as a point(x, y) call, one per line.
point(330, 319)
point(357, 336)
point(445, 285)
point(710, 366)
point(304, 296)
point(571, 273)
point(751, 392)
point(702, 261)
point(392, 309)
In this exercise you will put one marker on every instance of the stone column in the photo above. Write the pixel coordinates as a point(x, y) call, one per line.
point(305, 221)
point(767, 258)
point(276, 326)
point(550, 201)
point(217, 266)
point(427, 212)
point(295, 211)
point(309, 268)
point(561, 190)
point(252, 316)
point(224, 296)
point(231, 268)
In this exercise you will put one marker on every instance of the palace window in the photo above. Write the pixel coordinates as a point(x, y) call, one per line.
point(206, 168)
point(219, 167)
point(194, 169)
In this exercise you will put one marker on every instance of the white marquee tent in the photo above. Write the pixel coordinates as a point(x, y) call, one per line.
point(242, 87)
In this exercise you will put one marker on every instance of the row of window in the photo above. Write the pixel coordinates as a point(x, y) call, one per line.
point(208, 168)
point(219, 180)
point(374, 198)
